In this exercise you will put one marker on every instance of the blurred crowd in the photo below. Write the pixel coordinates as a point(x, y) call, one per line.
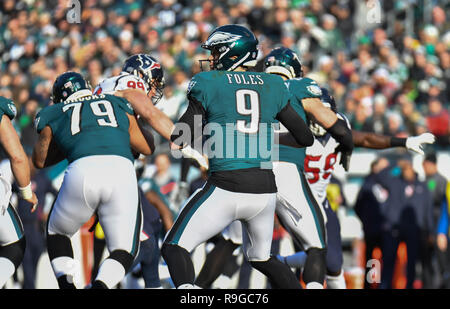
point(387, 63)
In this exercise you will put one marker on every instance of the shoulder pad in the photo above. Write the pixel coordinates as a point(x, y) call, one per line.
point(121, 82)
point(7, 108)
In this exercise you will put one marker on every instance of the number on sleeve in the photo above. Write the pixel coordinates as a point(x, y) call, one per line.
point(253, 111)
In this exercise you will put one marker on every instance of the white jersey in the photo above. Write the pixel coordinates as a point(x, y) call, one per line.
point(120, 82)
point(319, 163)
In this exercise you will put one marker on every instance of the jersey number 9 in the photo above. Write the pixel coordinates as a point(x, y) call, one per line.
point(242, 97)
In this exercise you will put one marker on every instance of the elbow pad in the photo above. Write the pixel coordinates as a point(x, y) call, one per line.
point(342, 134)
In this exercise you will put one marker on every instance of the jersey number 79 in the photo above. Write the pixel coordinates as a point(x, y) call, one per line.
point(101, 108)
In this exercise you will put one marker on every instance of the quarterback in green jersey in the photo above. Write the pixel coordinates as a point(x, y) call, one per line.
point(234, 110)
point(96, 134)
point(12, 238)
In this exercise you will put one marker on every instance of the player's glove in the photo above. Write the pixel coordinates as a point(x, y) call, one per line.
point(345, 156)
point(189, 152)
point(415, 143)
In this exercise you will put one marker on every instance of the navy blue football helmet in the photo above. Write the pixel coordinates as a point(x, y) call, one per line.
point(150, 70)
point(327, 100)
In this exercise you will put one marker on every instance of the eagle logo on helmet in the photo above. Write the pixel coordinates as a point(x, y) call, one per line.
point(220, 37)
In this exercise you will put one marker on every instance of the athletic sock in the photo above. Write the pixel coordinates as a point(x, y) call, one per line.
point(7, 269)
point(336, 282)
point(314, 285)
point(111, 272)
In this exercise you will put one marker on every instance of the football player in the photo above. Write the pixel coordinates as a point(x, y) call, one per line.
point(295, 164)
point(94, 133)
point(12, 238)
point(318, 165)
point(239, 104)
point(143, 72)
point(296, 206)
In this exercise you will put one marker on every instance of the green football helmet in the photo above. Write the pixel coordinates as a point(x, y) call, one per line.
point(231, 46)
point(67, 84)
point(283, 61)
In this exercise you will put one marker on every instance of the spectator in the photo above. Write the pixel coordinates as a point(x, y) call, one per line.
point(438, 121)
point(408, 218)
point(437, 184)
point(442, 237)
point(368, 207)
point(414, 121)
point(378, 122)
point(163, 176)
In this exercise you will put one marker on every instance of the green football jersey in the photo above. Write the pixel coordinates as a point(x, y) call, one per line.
point(7, 108)
point(240, 109)
point(91, 125)
point(300, 88)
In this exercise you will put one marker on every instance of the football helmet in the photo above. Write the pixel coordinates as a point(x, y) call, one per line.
point(328, 101)
point(67, 84)
point(231, 46)
point(283, 61)
point(149, 69)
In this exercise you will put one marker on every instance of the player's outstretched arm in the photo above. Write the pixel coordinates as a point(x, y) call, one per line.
point(334, 125)
point(19, 161)
point(377, 141)
point(139, 142)
point(143, 106)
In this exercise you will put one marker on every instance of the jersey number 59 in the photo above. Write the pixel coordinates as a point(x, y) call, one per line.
point(330, 160)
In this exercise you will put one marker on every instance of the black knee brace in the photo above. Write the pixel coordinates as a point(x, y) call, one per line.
point(315, 266)
point(14, 252)
point(123, 257)
point(179, 263)
point(279, 274)
point(216, 262)
point(59, 245)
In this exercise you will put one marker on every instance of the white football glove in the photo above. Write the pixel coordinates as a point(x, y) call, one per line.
point(415, 143)
point(189, 152)
point(5, 195)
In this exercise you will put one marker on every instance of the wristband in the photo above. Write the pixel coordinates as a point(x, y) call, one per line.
point(398, 142)
point(26, 192)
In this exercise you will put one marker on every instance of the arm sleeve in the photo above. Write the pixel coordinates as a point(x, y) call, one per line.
point(193, 117)
point(342, 133)
point(296, 125)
